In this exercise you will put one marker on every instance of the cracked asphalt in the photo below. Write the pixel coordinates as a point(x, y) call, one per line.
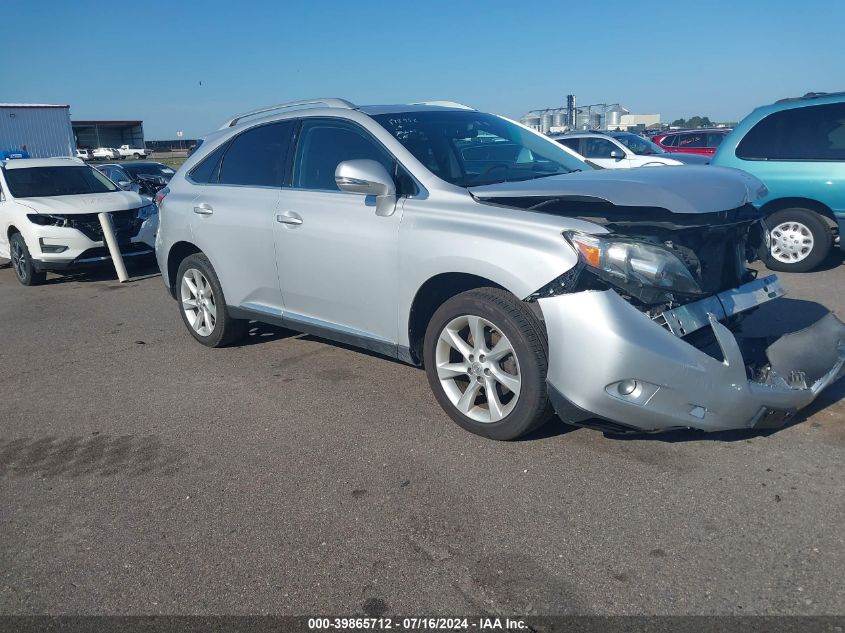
point(141, 473)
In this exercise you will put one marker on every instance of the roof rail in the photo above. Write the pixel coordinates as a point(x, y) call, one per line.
point(330, 102)
point(444, 104)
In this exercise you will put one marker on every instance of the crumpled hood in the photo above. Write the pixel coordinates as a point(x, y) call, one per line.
point(84, 203)
point(682, 189)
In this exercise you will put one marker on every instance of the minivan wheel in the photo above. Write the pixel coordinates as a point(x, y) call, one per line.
point(485, 356)
point(203, 306)
point(800, 240)
point(22, 262)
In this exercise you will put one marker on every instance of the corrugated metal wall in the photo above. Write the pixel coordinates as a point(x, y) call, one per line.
point(45, 132)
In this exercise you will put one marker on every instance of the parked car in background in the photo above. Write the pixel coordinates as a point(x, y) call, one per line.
point(49, 217)
point(137, 153)
point(83, 154)
point(145, 177)
point(621, 150)
point(703, 142)
point(517, 276)
point(797, 148)
point(105, 153)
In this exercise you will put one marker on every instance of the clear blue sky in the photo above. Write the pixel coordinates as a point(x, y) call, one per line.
point(145, 60)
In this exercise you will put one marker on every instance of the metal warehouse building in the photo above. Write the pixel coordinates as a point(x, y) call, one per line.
point(43, 130)
point(92, 134)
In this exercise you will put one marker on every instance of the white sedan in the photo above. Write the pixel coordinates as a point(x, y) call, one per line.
point(623, 150)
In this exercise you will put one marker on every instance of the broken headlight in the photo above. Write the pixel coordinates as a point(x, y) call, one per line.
point(644, 270)
point(44, 219)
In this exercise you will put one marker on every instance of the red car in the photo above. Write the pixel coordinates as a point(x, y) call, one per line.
point(702, 142)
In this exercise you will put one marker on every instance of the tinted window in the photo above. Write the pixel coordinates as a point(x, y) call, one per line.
point(670, 141)
point(325, 143)
point(600, 148)
point(208, 169)
point(468, 148)
point(808, 133)
point(150, 169)
point(692, 140)
point(32, 182)
point(572, 143)
point(714, 139)
point(258, 156)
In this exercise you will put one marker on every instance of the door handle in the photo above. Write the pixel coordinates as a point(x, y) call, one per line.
point(289, 217)
point(203, 209)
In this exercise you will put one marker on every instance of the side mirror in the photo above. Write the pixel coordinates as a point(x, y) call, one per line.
point(368, 178)
point(123, 184)
point(616, 155)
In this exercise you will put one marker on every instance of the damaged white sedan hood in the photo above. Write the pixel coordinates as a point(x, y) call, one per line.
point(683, 189)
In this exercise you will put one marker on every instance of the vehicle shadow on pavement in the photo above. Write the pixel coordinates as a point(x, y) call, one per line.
point(259, 333)
point(138, 271)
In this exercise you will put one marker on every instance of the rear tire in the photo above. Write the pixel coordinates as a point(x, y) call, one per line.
point(203, 305)
point(507, 357)
point(800, 240)
point(22, 262)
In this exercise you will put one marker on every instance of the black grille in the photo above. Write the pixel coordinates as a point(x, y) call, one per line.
point(126, 225)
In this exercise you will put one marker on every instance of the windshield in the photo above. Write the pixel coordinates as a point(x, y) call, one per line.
point(149, 169)
point(469, 149)
point(638, 144)
point(36, 182)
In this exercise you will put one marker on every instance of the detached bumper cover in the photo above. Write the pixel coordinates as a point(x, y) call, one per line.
point(608, 360)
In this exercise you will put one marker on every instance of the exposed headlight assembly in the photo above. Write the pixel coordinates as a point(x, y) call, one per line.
point(44, 219)
point(644, 270)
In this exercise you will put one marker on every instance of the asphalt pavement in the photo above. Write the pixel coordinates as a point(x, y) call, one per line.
point(141, 473)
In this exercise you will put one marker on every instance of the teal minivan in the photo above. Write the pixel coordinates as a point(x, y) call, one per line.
point(797, 148)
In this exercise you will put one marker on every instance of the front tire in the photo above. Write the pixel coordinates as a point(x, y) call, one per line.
point(22, 262)
point(203, 305)
point(486, 357)
point(800, 240)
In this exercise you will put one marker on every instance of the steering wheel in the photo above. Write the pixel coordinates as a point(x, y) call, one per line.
point(494, 167)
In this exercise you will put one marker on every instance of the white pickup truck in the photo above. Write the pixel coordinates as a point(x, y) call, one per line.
point(130, 152)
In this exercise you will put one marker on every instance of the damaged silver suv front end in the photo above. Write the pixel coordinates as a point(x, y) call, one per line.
point(646, 332)
point(610, 360)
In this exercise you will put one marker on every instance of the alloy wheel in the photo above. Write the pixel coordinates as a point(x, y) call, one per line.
point(792, 242)
point(19, 262)
point(478, 368)
point(198, 302)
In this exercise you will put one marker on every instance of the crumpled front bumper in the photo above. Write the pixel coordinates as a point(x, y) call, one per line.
point(608, 360)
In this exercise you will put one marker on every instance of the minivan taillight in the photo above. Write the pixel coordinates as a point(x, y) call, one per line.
point(160, 194)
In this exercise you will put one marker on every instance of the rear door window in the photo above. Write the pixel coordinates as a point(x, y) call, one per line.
point(692, 140)
point(804, 133)
point(600, 148)
point(571, 143)
point(714, 139)
point(258, 157)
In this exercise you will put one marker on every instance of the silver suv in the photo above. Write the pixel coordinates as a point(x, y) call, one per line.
point(521, 279)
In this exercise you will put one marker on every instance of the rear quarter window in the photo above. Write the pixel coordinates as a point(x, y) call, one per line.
point(803, 133)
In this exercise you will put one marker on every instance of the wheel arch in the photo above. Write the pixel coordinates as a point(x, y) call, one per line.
point(433, 293)
point(807, 203)
point(178, 252)
point(11, 231)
